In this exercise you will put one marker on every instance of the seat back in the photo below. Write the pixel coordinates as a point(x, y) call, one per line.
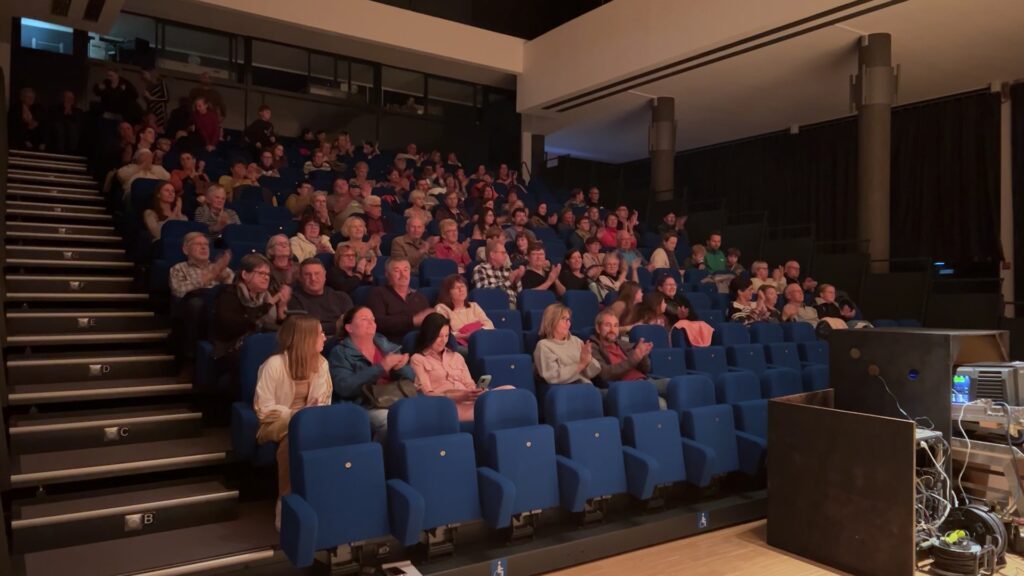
point(715, 427)
point(885, 323)
point(814, 352)
point(710, 360)
point(535, 299)
point(596, 445)
point(509, 370)
point(244, 234)
point(798, 332)
point(631, 397)
point(736, 387)
point(686, 392)
point(569, 402)
point(752, 417)
point(667, 362)
point(765, 333)
point(483, 343)
point(350, 500)
point(255, 350)
point(730, 334)
point(783, 354)
point(434, 270)
point(699, 301)
point(506, 319)
point(489, 298)
point(650, 333)
point(504, 409)
point(583, 304)
point(748, 357)
point(647, 428)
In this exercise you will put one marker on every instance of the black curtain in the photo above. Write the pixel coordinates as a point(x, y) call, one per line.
point(808, 177)
point(1017, 165)
point(945, 179)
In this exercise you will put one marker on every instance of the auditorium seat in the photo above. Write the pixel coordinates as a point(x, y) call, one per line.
point(730, 450)
point(667, 362)
point(489, 298)
point(765, 333)
point(813, 352)
point(709, 361)
point(690, 391)
point(798, 332)
point(775, 381)
point(730, 334)
point(743, 392)
point(908, 323)
point(254, 352)
point(588, 444)
point(433, 271)
point(331, 504)
point(814, 376)
point(699, 301)
point(535, 299)
point(583, 304)
point(649, 429)
point(430, 459)
point(885, 323)
point(506, 319)
point(484, 343)
point(651, 333)
point(508, 370)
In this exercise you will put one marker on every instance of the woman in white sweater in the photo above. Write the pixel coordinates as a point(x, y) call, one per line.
point(560, 357)
point(465, 317)
point(295, 378)
point(308, 241)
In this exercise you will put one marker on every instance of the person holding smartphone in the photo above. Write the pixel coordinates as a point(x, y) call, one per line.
point(441, 371)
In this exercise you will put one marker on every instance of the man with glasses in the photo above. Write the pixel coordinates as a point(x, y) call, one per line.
point(496, 273)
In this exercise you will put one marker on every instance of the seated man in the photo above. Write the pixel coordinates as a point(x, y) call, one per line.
point(189, 281)
point(620, 359)
point(412, 246)
point(519, 219)
point(397, 307)
point(312, 296)
point(791, 273)
point(796, 309)
point(495, 272)
point(239, 177)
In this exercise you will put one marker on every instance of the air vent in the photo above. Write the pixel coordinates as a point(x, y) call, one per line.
point(990, 384)
point(60, 8)
point(93, 10)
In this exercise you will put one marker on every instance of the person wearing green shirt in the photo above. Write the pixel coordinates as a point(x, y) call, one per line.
point(714, 258)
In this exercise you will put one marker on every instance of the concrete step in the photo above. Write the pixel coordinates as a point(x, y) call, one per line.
point(94, 428)
point(58, 211)
point(46, 165)
point(85, 518)
point(53, 178)
point(96, 390)
point(38, 469)
point(60, 339)
point(52, 368)
point(68, 284)
point(48, 194)
point(72, 158)
point(62, 232)
point(78, 322)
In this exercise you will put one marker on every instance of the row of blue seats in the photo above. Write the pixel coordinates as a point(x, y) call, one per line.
point(344, 489)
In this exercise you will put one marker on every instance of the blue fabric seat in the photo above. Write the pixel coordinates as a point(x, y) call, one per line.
point(650, 333)
point(798, 332)
point(743, 392)
point(535, 299)
point(589, 445)
point(786, 354)
point(433, 271)
point(730, 450)
point(339, 495)
point(489, 298)
point(730, 334)
point(254, 352)
point(765, 333)
point(699, 301)
point(885, 323)
point(484, 343)
point(775, 381)
point(667, 362)
point(431, 458)
point(690, 391)
point(505, 319)
point(584, 306)
point(649, 429)
point(710, 361)
point(813, 352)
point(509, 370)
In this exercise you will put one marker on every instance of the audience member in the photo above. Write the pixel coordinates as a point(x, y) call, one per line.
point(314, 297)
point(308, 241)
point(619, 359)
point(283, 268)
point(189, 280)
point(141, 167)
point(714, 258)
point(593, 258)
point(520, 255)
point(759, 271)
point(572, 275)
point(354, 229)
point(664, 256)
point(207, 92)
point(411, 246)
point(450, 210)
point(566, 225)
point(239, 177)
point(625, 305)
point(206, 123)
point(318, 211)
point(696, 260)
point(594, 197)
point(485, 220)
point(579, 237)
point(260, 134)
point(560, 357)
point(191, 174)
point(495, 273)
point(417, 208)
point(296, 377)
point(298, 202)
point(166, 206)
point(671, 224)
point(677, 305)
point(280, 159)
point(791, 271)
point(156, 96)
point(541, 218)
point(373, 214)
point(67, 124)
point(449, 247)
point(829, 306)
point(118, 97)
point(539, 275)
point(318, 163)
point(651, 310)
point(575, 199)
point(349, 271)
point(268, 168)
point(609, 234)
point(246, 309)
point(214, 214)
point(770, 296)
point(179, 119)
point(441, 371)
point(626, 248)
point(611, 276)
point(466, 317)
point(339, 199)
point(518, 226)
point(743, 309)
point(796, 309)
point(362, 171)
point(397, 307)
point(732, 261)
point(26, 122)
point(366, 359)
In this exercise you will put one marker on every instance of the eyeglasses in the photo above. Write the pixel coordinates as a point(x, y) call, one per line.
point(261, 273)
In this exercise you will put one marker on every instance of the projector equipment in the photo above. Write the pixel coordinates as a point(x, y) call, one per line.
point(973, 542)
point(999, 382)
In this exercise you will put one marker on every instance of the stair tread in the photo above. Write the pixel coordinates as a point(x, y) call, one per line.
point(116, 498)
point(82, 295)
point(80, 312)
point(20, 152)
point(27, 421)
point(213, 441)
point(98, 356)
point(85, 336)
point(253, 532)
point(79, 390)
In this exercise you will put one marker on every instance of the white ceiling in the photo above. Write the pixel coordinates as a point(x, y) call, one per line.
point(942, 47)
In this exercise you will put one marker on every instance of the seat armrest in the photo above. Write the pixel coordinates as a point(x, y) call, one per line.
point(497, 495)
point(573, 484)
point(699, 459)
point(406, 510)
point(752, 451)
point(641, 470)
point(299, 527)
point(244, 425)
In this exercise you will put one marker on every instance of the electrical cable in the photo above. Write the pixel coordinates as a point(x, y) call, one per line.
point(967, 457)
point(1013, 452)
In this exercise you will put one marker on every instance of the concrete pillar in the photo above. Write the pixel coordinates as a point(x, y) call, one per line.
point(873, 93)
point(662, 146)
point(6, 22)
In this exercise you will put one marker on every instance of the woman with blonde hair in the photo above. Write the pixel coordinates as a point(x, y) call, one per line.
point(354, 228)
point(418, 206)
point(560, 357)
point(294, 378)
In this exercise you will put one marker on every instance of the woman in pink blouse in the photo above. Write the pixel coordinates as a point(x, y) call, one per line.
point(441, 371)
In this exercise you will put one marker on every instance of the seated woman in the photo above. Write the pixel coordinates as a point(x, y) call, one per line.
point(484, 221)
point(449, 248)
point(839, 314)
point(625, 306)
point(213, 213)
point(540, 218)
point(651, 310)
point(466, 317)
point(294, 378)
point(284, 270)
point(760, 276)
point(418, 206)
point(593, 258)
point(560, 357)
point(519, 254)
point(609, 234)
point(685, 318)
point(317, 210)
point(611, 277)
point(572, 276)
point(365, 359)
point(631, 257)
point(349, 272)
point(440, 371)
point(308, 241)
point(664, 256)
point(743, 309)
point(166, 206)
point(354, 229)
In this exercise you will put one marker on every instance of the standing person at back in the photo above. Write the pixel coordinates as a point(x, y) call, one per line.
point(714, 258)
point(260, 134)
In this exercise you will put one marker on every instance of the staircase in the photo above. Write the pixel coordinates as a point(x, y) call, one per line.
point(112, 468)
